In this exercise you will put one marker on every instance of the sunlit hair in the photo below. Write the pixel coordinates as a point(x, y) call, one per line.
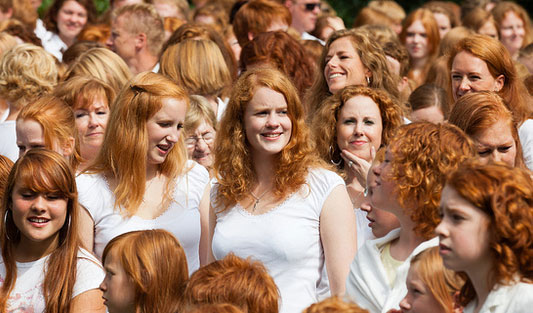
point(324, 123)
point(320, 25)
point(391, 8)
point(76, 49)
point(142, 18)
point(58, 123)
point(425, 16)
point(505, 194)
point(43, 171)
point(477, 111)
point(334, 305)
point(6, 42)
point(397, 51)
point(212, 308)
point(422, 154)
point(314, 49)
point(103, 64)
point(23, 11)
point(50, 19)
point(171, 24)
point(372, 57)
point(244, 283)
point(281, 51)
point(468, 5)
point(442, 7)
point(98, 32)
point(502, 8)
point(369, 16)
point(257, 16)
point(81, 92)
point(215, 11)
point(439, 75)
point(236, 174)
point(452, 38)
point(441, 282)
point(429, 95)
point(200, 110)
point(125, 146)
point(26, 72)
point(204, 31)
point(156, 266)
point(196, 65)
point(17, 29)
point(499, 62)
point(477, 18)
point(380, 33)
point(5, 167)
point(181, 5)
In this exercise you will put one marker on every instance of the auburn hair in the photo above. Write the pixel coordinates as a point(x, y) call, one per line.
point(477, 111)
point(324, 123)
point(422, 155)
point(334, 305)
point(244, 283)
point(500, 11)
point(43, 171)
point(236, 174)
point(155, 264)
point(5, 166)
point(125, 145)
point(505, 194)
point(58, 123)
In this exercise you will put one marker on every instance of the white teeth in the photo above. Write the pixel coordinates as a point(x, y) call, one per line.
point(335, 75)
point(271, 135)
point(38, 220)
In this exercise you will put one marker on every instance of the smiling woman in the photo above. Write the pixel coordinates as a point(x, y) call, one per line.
point(142, 174)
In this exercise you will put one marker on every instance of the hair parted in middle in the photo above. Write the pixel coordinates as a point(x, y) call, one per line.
point(505, 194)
point(125, 145)
point(236, 174)
point(373, 58)
point(422, 154)
point(155, 264)
point(43, 171)
point(244, 283)
point(324, 123)
point(477, 111)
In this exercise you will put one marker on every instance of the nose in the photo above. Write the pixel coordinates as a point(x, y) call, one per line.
point(404, 304)
point(109, 42)
point(92, 120)
point(103, 285)
point(173, 136)
point(358, 129)
point(365, 206)
point(496, 156)
point(38, 203)
point(316, 9)
point(464, 85)
point(377, 169)
point(272, 121)
point(440, 230)
point(333, 62)
point(201, 145)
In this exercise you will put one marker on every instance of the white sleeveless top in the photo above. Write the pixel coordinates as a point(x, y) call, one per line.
point(286, 239)
point(182, 218)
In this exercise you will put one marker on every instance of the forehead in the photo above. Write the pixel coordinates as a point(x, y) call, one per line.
point(73, 5)
point(497, 134)
point(29, 129)
point(266, 97)
point(360, 105)
point(511, 17)
point(416, 26)
point(342, 44)
point(465, 61)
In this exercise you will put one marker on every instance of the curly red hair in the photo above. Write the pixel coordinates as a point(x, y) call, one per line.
point(334, 305)
point(422, 155)
point(233, 164)
point(325, 119)
point(505, 194)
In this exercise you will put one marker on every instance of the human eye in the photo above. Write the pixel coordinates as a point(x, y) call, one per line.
point(349, 121)
point(54, 196)
point(409, 34)
point(484, 152)
point(474, 77)
point(505, 148)
point(101, 112)
point(283, 111)
point(37, 146)
point(456, 76)
point(80, 114)
point(22, 148)
point(164, 124)
point(261, 113)
point(180, 126)
point(208, 136)
point(369, 122)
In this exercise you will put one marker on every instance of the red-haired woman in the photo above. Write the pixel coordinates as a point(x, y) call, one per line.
point(408, 184)
point(274, 200)
point(43, 268)
point(485, 233)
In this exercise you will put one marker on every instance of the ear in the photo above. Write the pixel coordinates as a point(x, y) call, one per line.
point(288, 3)
point(68, 147)
point(368, 73)
point(140, 41)
point(498, 84)
point(250, 36)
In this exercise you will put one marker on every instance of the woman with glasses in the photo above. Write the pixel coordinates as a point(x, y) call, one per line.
point(200, 130)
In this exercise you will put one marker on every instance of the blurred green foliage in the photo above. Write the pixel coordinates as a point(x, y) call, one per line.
point(101, 6)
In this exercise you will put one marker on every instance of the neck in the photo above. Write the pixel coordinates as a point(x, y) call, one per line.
point(418, 64)
point(29, 251)
point(152, 171)
point(355, 190)
point(479, 276)
point(407, 241)
point(264, 169)
point(142, 63)
point(13, 112)
point(68, 41)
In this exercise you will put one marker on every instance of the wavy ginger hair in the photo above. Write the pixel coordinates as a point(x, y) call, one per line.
point(334, 305)
point(441, 282)
point(422, 155)
point(236, 174)
point(505, 194)
point(324, 123)
point(43, 171)
point(125, 146)
point(155, 264)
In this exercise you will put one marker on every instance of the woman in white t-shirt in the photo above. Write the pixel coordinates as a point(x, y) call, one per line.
point(43, 268)
point(141, 178)
point(486, 234)
point(274, 199)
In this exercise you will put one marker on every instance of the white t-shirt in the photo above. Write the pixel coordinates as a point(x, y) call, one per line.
point(8, 140)
point(27, 295)
point(364, 232)
point(525, 133)
point(286, 239)
point(182, 218)
point(516, 298)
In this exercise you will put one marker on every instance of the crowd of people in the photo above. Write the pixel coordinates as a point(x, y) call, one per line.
point(259, 156)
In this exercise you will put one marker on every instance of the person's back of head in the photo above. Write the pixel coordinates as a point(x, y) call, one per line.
point(334, 305)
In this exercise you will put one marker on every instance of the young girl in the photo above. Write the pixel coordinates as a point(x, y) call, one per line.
point(430, 286)
point(146, 271)
point(43, 269)
point(485, 233)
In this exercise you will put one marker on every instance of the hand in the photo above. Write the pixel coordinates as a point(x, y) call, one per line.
point(336, 22)
point(356, 166)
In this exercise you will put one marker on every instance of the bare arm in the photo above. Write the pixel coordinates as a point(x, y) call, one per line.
point(204, 224)
point(212, 224)
point(339, 237)
point(88, 302)
point(86, 229)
